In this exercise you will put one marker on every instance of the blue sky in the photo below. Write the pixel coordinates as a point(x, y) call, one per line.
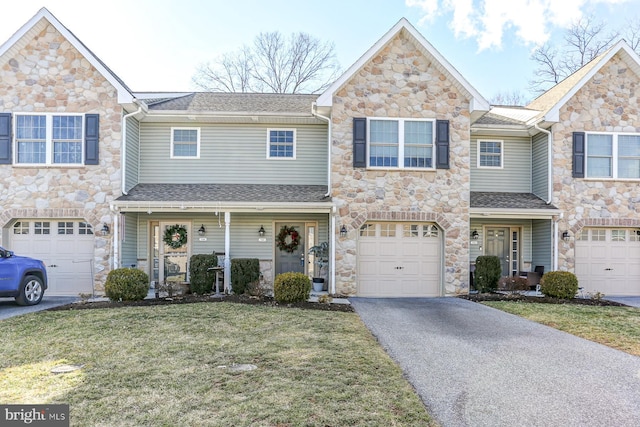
point(156, 45)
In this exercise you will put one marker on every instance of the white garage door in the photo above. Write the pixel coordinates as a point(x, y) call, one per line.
point(67, 248)
point(608, 261)
point(399, 260)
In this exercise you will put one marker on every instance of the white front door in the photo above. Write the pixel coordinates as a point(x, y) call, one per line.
point(170, 263)
point(67, 248)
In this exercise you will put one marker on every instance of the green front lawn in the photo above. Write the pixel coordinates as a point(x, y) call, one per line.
point(617, 327)
point(170, 366)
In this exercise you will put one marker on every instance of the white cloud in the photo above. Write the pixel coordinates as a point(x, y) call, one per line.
point(488, 20)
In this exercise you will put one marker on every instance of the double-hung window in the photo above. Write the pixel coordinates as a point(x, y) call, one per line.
point(281, 143)
point(490, 154)
point(401, 143)
point(613, 155)
point(185, 143)
point(49, 139)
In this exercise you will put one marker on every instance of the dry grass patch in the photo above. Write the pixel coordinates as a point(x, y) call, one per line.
point(165, 365)
point(616, 327)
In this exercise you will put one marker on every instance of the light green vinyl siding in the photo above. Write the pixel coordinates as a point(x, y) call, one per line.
point(542, 244)
point(129, 240)
point(513, 177)
point(133, 153)
point(234, 154)
point(540, 160)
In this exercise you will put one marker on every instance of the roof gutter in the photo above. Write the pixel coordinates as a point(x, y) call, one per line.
point(314, 111)
point(124, 145)
point(549, 161)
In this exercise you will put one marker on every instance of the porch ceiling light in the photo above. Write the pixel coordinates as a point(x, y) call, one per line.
point(202, 230)
point(475, 235)
point(261, 231)
point(343, 231)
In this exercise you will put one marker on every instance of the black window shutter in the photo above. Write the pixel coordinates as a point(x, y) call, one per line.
point(442, 144)
point(5, 138)
point(91, 137)
point(359, 142)
point(578, 154)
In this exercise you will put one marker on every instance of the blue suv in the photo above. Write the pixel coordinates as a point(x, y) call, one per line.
point(22, 277)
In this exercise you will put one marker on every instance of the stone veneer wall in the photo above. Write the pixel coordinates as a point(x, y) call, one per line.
point(47, 74)
point(607, 103)
point(402, 82)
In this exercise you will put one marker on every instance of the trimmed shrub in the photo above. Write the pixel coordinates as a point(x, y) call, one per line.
point(126, 284)
point(291, 287)
point(244, 271)
point(559, 284)
point(200, 277)
point(513, 284)
point(487, 274)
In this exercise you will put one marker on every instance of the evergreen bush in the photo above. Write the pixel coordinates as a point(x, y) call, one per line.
point(200, 277)
point(127, 284)
point(291, 287)
point(559, 284)
point(487, 274)
point(244, 272)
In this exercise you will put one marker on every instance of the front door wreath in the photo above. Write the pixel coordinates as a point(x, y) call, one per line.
point(175, 236)
point(282, 239)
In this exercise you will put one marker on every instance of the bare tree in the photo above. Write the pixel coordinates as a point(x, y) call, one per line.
point(298, 64)
point(509, 98)
point(584, 41)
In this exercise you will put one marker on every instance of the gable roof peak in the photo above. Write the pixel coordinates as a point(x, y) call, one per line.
point(124, 93)
point(477, 101)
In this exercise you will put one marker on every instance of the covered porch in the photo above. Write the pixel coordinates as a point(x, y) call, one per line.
point(231, 221)
point(519, 228)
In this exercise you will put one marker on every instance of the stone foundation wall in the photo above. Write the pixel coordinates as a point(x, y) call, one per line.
point(47, 74)
point(607, 103)
point(403, 82)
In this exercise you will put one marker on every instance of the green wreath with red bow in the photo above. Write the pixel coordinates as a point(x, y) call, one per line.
point(288, 239)
point(175, 236)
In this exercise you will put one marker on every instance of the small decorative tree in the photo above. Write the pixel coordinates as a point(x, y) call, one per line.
point(320, 259)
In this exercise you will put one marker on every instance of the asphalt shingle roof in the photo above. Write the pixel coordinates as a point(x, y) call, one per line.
point(259, 193)
point(492, 200)
point(217, 102)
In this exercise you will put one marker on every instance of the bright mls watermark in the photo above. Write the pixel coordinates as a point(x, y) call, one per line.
point(34, 415)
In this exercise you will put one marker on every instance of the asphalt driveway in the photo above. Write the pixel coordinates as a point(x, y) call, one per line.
point(9, 308)
point(473, 365)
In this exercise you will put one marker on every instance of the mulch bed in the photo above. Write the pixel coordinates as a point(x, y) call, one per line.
point(543, 299)
point(191, 298)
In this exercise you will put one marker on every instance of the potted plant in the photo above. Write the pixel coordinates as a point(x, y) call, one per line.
point(320, 259)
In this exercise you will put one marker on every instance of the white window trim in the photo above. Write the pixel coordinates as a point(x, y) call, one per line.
point(501, 142)
point(48, 140)
point(295, 143)
point(401, 165)
point(197, 156)
point(614, 155)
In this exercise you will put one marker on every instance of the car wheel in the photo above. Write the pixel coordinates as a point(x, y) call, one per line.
point(31, 291)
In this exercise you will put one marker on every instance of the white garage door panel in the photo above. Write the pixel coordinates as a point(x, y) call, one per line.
point(395, 260)
point(608, 261)
point(68, 257)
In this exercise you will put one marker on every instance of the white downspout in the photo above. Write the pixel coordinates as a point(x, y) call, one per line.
point(328, 120)
point(123, 157)
point(554, 238)
point(332, 238)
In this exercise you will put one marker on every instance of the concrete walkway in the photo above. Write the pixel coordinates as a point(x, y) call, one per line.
point(630, 301)
point(473, 365)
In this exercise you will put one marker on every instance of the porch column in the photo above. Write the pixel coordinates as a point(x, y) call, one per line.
point(227, 254)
